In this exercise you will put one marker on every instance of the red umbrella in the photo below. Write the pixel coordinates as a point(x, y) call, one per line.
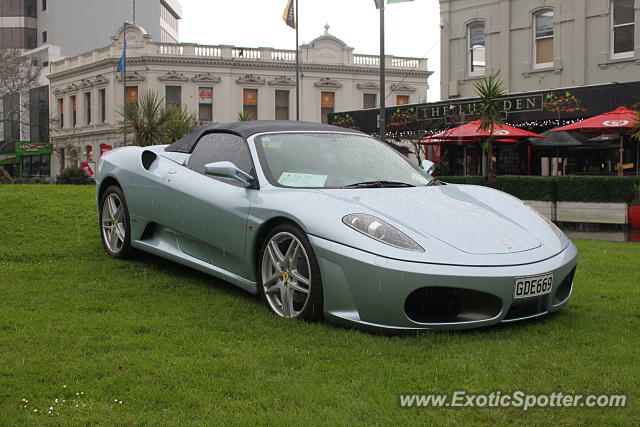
point(428, 140)
point(470, 132)
point(617, 121)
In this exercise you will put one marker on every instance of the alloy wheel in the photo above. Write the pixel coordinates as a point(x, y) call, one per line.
point(286, 275)
point(112, 223)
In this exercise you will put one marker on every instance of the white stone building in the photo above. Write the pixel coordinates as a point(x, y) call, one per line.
point(215, 83)
point(538, 44)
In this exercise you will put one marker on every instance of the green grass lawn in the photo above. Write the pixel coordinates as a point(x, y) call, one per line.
point(149, 341)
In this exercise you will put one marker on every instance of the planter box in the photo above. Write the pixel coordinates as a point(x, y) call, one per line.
point(600, 213)
point(547, 209)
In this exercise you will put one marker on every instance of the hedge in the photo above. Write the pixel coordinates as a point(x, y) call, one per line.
point(594, 189)
point(75, 176)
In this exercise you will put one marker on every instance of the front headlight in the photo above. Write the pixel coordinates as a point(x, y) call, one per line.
point(379, 230)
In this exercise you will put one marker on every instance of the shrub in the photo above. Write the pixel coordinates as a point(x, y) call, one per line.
point(593, 189)
point(597, 189)
point(74, 176)
point(470, 180)
point(528, 187)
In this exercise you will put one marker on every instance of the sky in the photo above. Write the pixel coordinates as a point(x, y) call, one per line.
point(411, 28)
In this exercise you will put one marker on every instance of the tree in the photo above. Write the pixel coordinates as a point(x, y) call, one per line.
point(179, 123)
point(244, 117)
point(17, 75)
point(635, 129)
point(17, 72)
point(489, 112)
point(151, 122)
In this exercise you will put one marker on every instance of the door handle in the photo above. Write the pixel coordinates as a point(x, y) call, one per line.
point(172, 171)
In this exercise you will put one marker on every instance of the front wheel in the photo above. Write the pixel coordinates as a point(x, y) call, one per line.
point(115, 228)
point(290, 277)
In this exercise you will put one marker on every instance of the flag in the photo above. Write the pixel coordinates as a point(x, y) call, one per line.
point(289, 14)
point(396, 1)
point(122, 58)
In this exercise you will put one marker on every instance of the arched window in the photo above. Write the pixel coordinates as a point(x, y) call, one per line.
point(543, 38)
point(622, 28)
point(476, 60)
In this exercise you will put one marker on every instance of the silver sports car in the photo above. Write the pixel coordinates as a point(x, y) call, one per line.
point(326, 222)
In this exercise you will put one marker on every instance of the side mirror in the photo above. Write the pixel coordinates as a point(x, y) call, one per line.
point(428, 166)
point(230, 171)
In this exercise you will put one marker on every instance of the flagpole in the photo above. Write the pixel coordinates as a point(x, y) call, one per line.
point(297, 68)
point(382, 83)
point(124, 76)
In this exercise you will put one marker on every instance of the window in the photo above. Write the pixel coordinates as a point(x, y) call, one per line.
point(282, 105)
point(369, 100)
point(132, 94)
point(250, 102)
point(74, 116)
point(44, 37)
point(402, 99)
point(87, 108)
point(477, 61)
point(11, 107)
point(205, 104)
point(622, 28)
point(543, 39)
point(35, 165)
point(102, 105)
point(173, 95)
point(327, 103)
point(44, 5)
point(168, 17)
point(61, 112)
point(165, 37)
point(218, 147)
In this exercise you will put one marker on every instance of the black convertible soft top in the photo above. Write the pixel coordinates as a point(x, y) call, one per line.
point(245, 129)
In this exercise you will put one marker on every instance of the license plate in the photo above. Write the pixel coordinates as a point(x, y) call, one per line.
point(533, 286)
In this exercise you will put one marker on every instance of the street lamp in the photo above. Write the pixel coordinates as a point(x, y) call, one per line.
point(381, 118)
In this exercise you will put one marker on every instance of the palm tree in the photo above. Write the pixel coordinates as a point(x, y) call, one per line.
point(145, 119)
point(489, 112)
point(179, 123)
point(244, 117)
point(151, 122)
point(635, 129)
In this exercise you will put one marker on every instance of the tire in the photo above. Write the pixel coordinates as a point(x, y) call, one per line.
point(289, 276)
point(115, 225)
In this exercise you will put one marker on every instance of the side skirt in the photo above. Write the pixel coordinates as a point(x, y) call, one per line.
point(164, 244)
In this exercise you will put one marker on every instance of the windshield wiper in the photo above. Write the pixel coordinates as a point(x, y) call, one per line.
point(378, 184)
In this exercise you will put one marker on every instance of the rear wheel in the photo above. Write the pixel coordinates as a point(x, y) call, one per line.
point(289, 274)
point(115, 227)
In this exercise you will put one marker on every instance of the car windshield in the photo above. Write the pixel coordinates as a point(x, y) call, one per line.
point(335, 160)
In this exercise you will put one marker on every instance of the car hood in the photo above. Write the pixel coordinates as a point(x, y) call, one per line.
point(455, 224)
point(455, 217)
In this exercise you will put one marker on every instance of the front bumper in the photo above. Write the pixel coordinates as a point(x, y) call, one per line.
point(370, 292)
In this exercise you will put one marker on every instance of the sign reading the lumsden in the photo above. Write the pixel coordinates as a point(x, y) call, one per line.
point(455, 112)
